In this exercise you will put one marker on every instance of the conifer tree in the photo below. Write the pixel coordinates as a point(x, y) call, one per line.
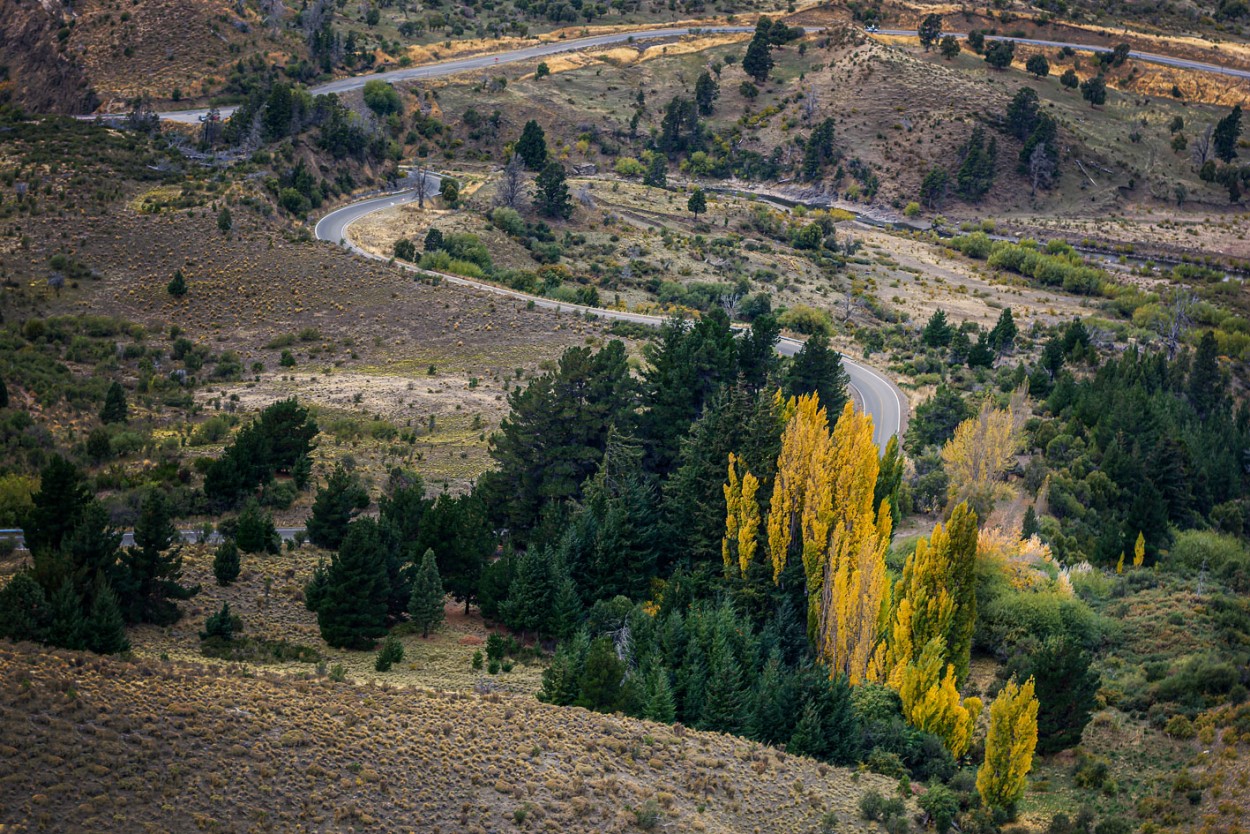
point(817, 368)
point(392, 652)
point(1029, 527)
point(337, 503)
point(758, 61)
point(425, 606)
point(153, 567)
point(24, 609)
point(566, 606)
point(352, 600)
point(697, 203)
point(742, 519)
point(223, 625)
point(937, 332)
point(67, 627)
point(1009, 746)
point(105, 629)
point(551, 195)
point(57, 506)
point(658, 704)
point(177, 286)
point(706, 91)
point(599, 687)
point(657, 171)
point(531, 593)
point(226, 562)
point(115, 409)
point(531, 147)
point(254, 530)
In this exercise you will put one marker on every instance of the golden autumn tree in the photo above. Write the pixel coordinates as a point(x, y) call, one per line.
point(801, 511)
point(823, 505)
point(854, 587)
point(935, 598)
point(930, 695)
point(1009, 746)
point(1139, 550)
point(742, 517)
point(984, 448)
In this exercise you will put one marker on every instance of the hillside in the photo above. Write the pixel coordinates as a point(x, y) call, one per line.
point(93, 743)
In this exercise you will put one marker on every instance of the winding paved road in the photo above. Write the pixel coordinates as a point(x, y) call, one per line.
point(1148, 57)
point(879, 396)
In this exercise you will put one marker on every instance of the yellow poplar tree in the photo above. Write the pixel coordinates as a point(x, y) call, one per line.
point(984, 447)
point(1009, 746)
point(854, 589)
point(802, 500)
point(936, 597)
point(931, 702)
point(742, 517)
point(1139, 550)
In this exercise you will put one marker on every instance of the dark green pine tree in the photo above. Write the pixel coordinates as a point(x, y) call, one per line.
point(404, 505)
point(555, 434)
point(255, 531)
point(153, 566)
point(687, 365)
point(1066, 690)
point(352, 597)
point(425, 606)
point(818, 368)
point(4, 395)
point(724, 703)
point(599, 687)
point(531, 147)
point(177, 286)
point(773, 709)
point(433, 240)
point(612, 541)
point(1206, 387)
point(975, 176)
point(657, 171)
point(337, 503)
point(1029, 527)
point(289, 430)
point(115, 409)
point(226, 562)
point(61, 498)
point(808, 738)
point(706, 92)
point(530, 596)
point(67, 627)
point(937, 332)
point(566, 606)
point(980, 355)
point(934, 420)
point(1227, 132)
point(105, 628)
point(562, 676)
point(551, 192)
point(735, 420)
point(24, 610)
point(459, 532)
point(658, 703)
point(758, 61)
point(223, 625)
point(1003, 336)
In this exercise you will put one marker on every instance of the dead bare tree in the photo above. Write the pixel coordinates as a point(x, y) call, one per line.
point(1176, 319)
point(585, 197)
point(274, 13)
point(511, 191)
point(1041, 167)
point(422, 178)
point(809, 104)
point(1202, 146)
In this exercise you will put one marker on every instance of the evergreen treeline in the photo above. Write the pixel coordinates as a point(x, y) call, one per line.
point(1145, 445)
point(83, 586)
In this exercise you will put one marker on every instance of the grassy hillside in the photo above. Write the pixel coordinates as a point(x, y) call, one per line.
point(99, 744)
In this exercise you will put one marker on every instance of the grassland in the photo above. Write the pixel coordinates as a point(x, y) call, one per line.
point(92, 743)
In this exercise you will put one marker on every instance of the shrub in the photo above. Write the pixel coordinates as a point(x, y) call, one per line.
point(627, 166)
point(872, 805)
point(648, 816)
point(222, 625)
point(508, 220)
point(392, 652)
point(807, 320)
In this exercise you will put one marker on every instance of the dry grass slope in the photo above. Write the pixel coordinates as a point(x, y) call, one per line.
point(99, 744)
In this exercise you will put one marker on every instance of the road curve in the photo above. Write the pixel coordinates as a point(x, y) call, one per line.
point(1148, 57)
point(479, 62)
point(879, 396)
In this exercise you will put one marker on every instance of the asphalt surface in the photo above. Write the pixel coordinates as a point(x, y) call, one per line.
point(1148, 57)
point(128, 537)
point(879, 397)
point(479, 62)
